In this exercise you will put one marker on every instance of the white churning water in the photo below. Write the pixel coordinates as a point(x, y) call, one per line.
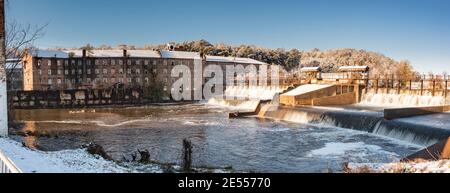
point(401, 100)
point(253, 92)
point(249, 105)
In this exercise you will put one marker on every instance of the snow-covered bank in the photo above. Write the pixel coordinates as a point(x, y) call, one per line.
point(439, 166)
point(68, 161)
point(80, 161)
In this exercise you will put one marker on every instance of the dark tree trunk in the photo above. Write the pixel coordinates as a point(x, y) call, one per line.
point(187, 156)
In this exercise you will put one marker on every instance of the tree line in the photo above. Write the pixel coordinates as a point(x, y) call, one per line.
point(291, 60)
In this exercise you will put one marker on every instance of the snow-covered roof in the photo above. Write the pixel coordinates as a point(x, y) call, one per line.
point(144, 54)
point(233, 60)
point(179, 54)
point(97, 53)
point(13, 63)
point(353, 68)
point(306, 89)
point(13, 60)
point(116, 53)
point(310, 69)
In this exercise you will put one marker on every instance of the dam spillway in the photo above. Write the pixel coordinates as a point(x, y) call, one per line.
point(298, 105)
point(402, 100)
point(367, 121)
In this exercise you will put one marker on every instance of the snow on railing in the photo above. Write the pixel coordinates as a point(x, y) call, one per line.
point(7, 166)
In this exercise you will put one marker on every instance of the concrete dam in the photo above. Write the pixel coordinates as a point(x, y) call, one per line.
point(371, 122)
point(382, 109)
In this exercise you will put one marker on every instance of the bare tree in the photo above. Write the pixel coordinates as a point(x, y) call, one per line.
point(19, 38)
point(404, 70)
point(16, 38)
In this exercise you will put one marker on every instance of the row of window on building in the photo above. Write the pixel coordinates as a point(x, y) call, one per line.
point(111, 62)
point(98, 71)
point(97, 80)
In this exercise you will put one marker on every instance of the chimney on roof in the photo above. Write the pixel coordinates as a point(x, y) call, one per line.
point(170, 47)
point(125, 54)
point(202, 55)
point(159, 53)
point(27, 51)
point(84, 53)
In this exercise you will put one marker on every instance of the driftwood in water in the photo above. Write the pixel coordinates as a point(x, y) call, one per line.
point(145, 156)
point(96, 149)
point(133, 157)
point(187, 156)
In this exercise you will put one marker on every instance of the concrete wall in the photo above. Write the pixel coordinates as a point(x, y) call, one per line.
point(340, 94)
point(342, 99)
point(394, 113)
point(76, 98)
point(438, 151)
point(293, 101)
point(307, 98)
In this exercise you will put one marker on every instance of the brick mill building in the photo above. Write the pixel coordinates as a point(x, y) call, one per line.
point(102, 69)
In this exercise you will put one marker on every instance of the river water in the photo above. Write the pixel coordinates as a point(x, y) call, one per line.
point(249, 144)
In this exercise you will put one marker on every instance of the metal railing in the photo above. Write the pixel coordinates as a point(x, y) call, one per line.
point(6, 165)
point(434, 87)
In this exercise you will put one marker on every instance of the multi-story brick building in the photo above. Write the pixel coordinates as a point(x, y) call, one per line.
point(100, 69)
point(15, 74)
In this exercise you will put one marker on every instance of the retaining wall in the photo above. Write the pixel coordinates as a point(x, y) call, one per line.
point(395, 113)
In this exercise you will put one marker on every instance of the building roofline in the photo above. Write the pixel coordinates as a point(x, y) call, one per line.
point(163, 54)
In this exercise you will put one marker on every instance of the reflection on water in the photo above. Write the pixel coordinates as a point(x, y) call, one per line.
point(245, 144)
point(30, 141)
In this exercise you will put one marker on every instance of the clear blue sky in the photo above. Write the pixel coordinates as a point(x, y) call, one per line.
point(417, 30)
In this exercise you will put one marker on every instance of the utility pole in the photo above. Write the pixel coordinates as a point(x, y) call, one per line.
point(3, 93)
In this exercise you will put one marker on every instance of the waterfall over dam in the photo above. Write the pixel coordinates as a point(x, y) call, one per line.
point(249, 105)
point(245, 98)
point(253, 92)
point(362, 120)
point(401, 100)
point(371, 122)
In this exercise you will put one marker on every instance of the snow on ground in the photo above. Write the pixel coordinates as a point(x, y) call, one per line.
point(440, 166)
point(67, 161)
point(77, 161)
